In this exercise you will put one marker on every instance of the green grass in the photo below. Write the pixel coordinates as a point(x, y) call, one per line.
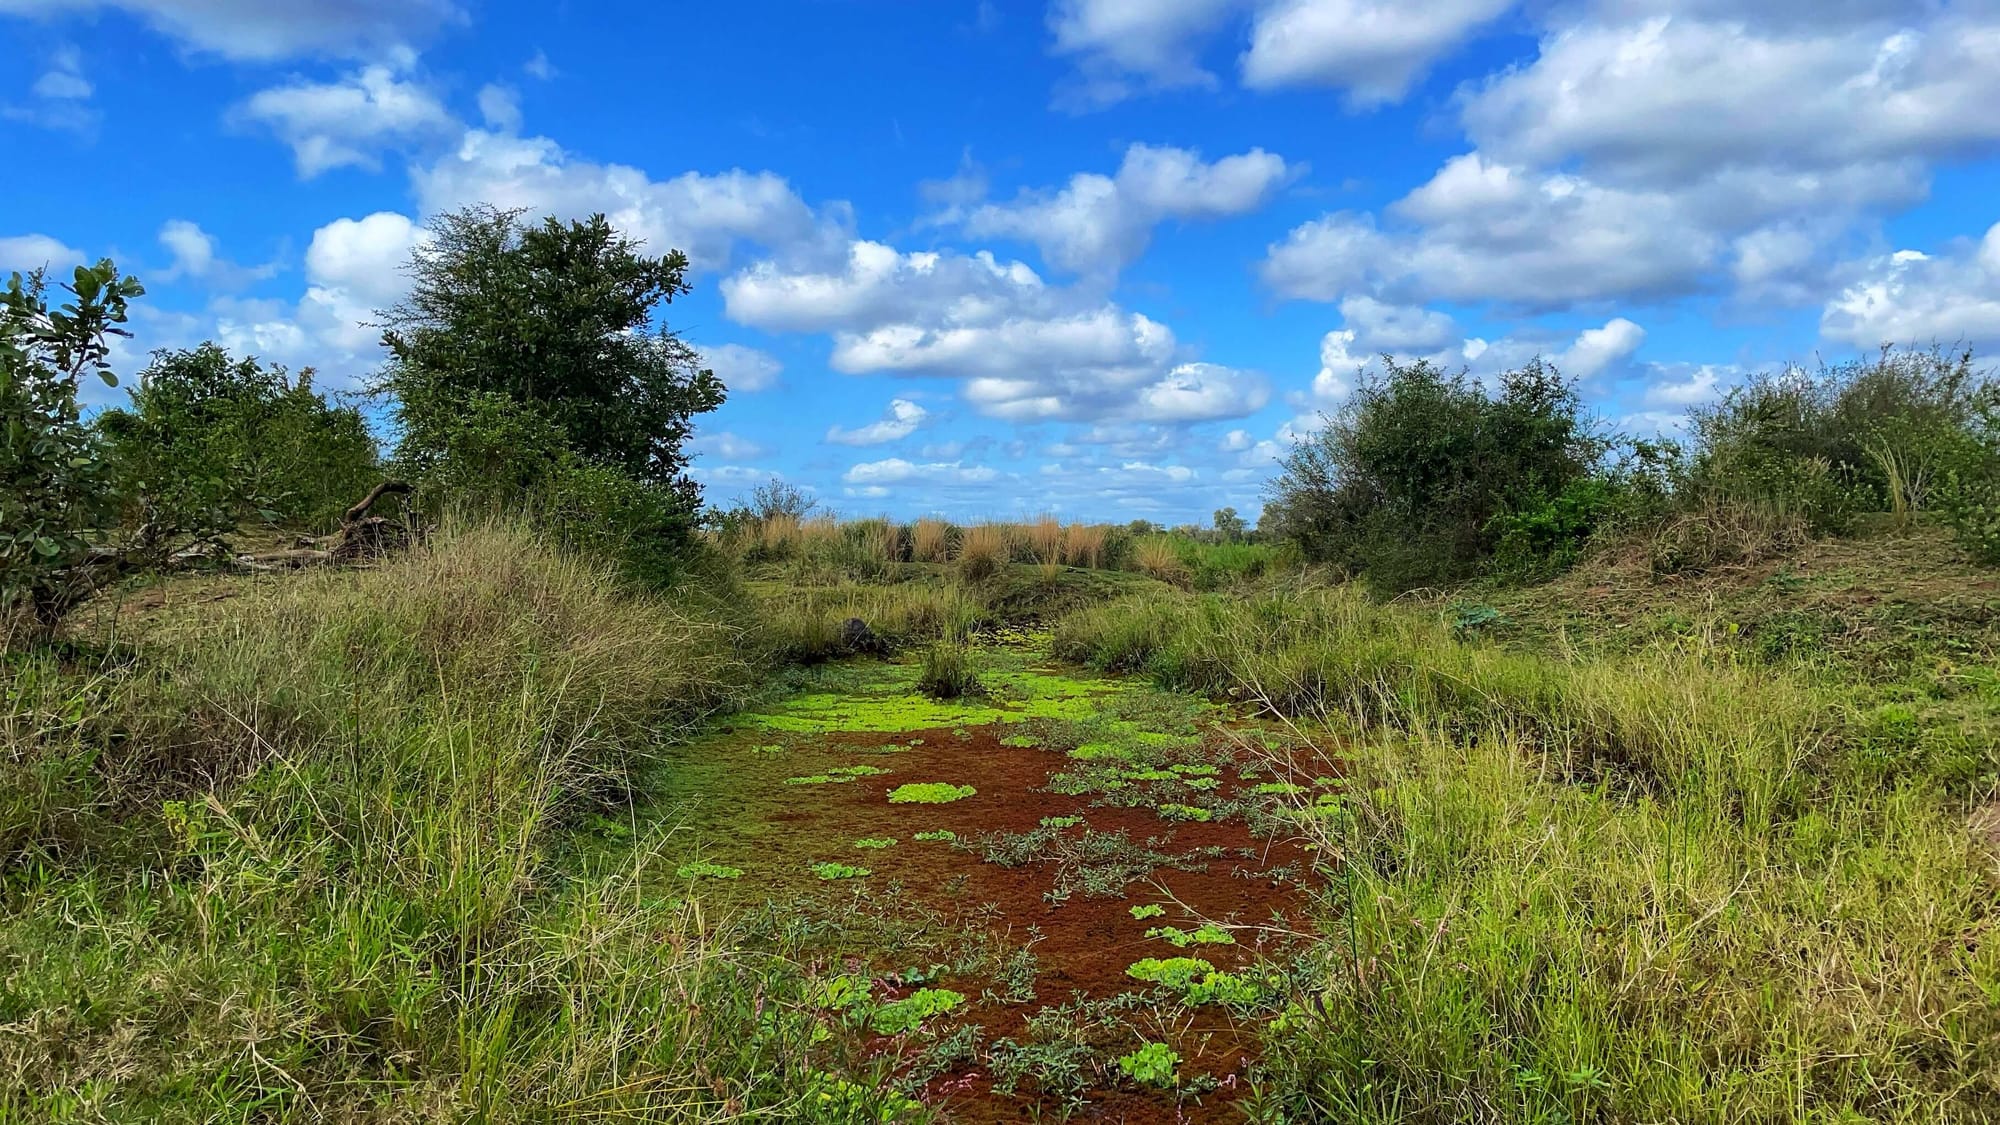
point(295, 854)
point(1665, 885)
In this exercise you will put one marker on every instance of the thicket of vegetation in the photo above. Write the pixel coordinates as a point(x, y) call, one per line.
point(304, 846)
point(1428, 478)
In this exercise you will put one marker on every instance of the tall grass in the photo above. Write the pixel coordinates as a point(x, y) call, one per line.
point(930, 541)
point(1673, 887)
point(1044, 538)
point(294, 859)
point(1083, 544)
point(983, 550)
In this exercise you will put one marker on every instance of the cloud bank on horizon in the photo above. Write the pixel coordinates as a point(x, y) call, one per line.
point(1103, 257)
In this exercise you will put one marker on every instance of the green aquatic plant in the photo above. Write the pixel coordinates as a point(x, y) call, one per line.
point(858, 771)
point(1177, 973)
point(1194, 771)
point(840, 993)
point(1149, 775)
point(1097, 751)
point(929, 793)
point(1061, 821)
point(1203, 782)
point(1229, 989)
point(944, 834)
point(818, 779)
point(906, 1014)
point(1278, 789)
point(834, 871)
point(702, 869)
point(1149, 910)
point(1154, 1064)
point(877, 842)
point(1208, 933)
point(1186, 812)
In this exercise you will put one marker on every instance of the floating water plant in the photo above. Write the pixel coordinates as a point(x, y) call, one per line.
point(1203, 782)
point(945, 834)
point(1149, 910)
point(929, 793)
point(1186, 812)
point(835, 871)
point(1194, 771)
point(702, 869)
point(1178, 973)
point(1279, 788)
point(1154, 1064)
point(1061, 821)
point(1208, 933)
point(877, 842)
point(907, 1013)
point(859, 771)
point(818, 779)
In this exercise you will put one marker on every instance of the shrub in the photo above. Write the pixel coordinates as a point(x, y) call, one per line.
point(1875, 435)
point(1404, 485)
point(208, 442)
point(56, 491)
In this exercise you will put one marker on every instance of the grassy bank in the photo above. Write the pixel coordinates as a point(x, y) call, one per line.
point(291, 854)
point(1670, 885)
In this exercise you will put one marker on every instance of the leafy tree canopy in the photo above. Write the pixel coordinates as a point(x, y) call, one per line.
point(558, 317)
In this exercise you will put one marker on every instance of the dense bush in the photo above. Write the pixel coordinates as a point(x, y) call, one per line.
point(208, 441)
point(1867, 436)
point(1405, 484)
point(57, 499)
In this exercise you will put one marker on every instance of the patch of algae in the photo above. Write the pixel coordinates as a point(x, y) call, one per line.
point(882, 698)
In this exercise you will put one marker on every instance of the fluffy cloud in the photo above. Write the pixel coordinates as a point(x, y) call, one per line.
point(895, 470)
point(1914, 298)
point(1100, 224)
point(1024, 350)
point(899, 421)
point(28, 252)
point(1124, 47)
point(739, 367)
point(1669, 98)
point(262, 31)
point(197, 257)
point(1411, 334)
point(1481, 231)
point(349, 122)
point(1374, 49)
point(704, 216)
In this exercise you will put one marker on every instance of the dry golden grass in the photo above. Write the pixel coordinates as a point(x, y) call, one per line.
point(930, 541)
point(983, 550)
point(1157, 558)
point(777, 535)
point(1083, 545)
point(819, 536)
point(1045, 538)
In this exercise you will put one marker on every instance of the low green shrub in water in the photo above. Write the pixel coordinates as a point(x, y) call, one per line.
point(929, 793)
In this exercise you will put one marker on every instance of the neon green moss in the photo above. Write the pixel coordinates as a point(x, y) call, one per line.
point(859, 771)
point(929, 793)
point(1154, 1064)
point(834, 871)
point(905, 1014)
point(1278, 789)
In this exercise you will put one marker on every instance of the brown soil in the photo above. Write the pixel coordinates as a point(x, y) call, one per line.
point(1085, 944)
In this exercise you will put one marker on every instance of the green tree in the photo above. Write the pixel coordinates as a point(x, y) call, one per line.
point(56, 502)
point(1229, 527)
point(559, 319)
point(1407, 483)
point(209, 441)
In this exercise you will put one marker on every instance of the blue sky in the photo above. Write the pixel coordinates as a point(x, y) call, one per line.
point(1097, 257)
